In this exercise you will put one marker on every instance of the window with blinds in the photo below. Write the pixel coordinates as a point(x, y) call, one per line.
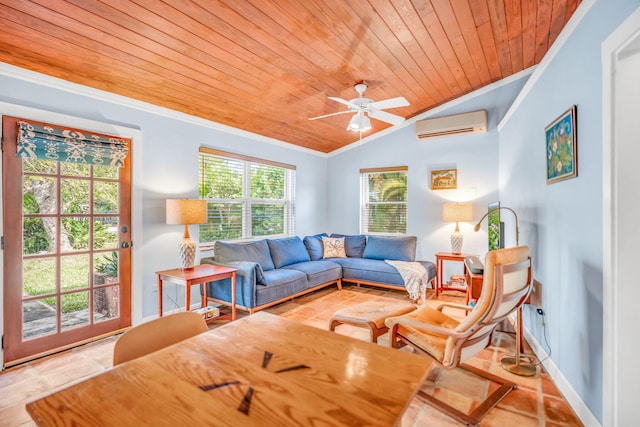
point(246, 197)
point(383, 200)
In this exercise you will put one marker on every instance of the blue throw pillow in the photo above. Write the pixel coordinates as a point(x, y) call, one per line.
point(257, 251)
point(353, 245)
point(314, 245)
point(401, 248)
point(288, 250)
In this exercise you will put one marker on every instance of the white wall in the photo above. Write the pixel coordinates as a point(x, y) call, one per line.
point(168, 167)
point(562, 222)
point(475, 157)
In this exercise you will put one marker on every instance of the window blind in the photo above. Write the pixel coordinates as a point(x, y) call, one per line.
point(383, 200)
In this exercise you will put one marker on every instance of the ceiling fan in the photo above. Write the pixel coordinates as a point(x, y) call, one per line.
point(361, 105)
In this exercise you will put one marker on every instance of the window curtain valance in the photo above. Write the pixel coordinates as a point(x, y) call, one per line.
point(69, 145)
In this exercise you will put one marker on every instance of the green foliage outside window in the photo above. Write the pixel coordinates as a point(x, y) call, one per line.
point(385, 208)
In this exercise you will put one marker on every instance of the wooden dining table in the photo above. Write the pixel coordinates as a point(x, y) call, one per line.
point(262, 370)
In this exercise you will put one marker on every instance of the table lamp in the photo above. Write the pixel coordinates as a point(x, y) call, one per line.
point(186, 211)
point(456, 212)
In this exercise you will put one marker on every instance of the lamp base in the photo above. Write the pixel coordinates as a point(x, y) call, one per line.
point(187, 253)
point(518, 367)
point(456, 242)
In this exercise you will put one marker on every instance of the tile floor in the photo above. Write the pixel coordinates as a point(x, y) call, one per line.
point(536, 402)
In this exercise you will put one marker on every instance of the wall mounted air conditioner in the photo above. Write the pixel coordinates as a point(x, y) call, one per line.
point(458, 124)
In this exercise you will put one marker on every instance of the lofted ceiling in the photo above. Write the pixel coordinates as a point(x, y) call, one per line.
point(267, 66)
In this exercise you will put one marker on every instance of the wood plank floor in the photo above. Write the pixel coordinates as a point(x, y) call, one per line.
point(537, 402)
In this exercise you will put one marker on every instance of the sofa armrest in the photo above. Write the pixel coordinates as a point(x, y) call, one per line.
point(245, 282)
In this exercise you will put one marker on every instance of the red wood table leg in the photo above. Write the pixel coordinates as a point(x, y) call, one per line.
point(159, 296)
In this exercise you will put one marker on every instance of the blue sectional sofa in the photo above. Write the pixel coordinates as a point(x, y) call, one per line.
point(271, 271)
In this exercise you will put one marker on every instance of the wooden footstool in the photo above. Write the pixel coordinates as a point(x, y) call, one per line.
point(370, 315)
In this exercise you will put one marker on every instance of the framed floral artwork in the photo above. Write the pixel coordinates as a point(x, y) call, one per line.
point(446, 179)
point(562, 147)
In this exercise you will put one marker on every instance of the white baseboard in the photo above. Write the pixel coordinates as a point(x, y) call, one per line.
point(172, 311)
point(573, 398)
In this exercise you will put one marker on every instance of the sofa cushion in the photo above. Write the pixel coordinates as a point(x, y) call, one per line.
point(257, 251)
point(314, 245)
point(369, 270)
point(318, 272)
point(281, 284)
point(401, 248)
point(333, 247)
point(288, 250)
point(354, 245)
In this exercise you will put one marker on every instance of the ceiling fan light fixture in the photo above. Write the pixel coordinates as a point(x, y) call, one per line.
point(359, 123)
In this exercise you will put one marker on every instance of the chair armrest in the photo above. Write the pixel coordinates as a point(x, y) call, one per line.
point(425, 327)
point(454, 305)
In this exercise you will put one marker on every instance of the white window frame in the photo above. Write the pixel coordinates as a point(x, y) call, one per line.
point(288, 202)
point(365, 204)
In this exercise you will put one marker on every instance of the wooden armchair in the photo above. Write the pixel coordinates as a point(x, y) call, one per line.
point(506, 286)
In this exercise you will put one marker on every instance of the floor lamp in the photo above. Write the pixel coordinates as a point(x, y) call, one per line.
point(515, 365)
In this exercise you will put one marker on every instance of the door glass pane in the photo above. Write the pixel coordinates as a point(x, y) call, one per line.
point(74, 272)
point(105, 233)
point(39, 318)
point(75, 196)
point(105, 197)
point(74, 234)
point(75, 310)
point(38, 235)
point(106, 303)
point(39, 195)
point(105, 172)
point(49, 167)
point(105, 265)
point(38, 276)
point(74, 169)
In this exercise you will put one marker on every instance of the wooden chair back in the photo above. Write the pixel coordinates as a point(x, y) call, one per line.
point(156, 334)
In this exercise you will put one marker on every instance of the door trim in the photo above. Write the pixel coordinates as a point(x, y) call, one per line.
point(613, 286)
point(136, 194)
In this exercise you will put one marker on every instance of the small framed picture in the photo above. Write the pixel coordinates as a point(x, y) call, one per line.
point(562, 147)
point(446, 179)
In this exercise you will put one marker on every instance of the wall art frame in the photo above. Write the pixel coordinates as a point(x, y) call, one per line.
point(561, 138)
point(444, 179)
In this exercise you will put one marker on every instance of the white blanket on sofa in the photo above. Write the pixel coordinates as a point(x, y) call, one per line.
point(415, 278)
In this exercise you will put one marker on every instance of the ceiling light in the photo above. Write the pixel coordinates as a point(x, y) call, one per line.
point(359, 123)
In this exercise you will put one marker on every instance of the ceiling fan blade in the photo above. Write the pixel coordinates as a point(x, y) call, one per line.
point(386, 117)
point(340, 100)
point(329, 115)
point(400, 101)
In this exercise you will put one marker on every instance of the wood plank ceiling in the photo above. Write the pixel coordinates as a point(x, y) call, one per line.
point(266, 66)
